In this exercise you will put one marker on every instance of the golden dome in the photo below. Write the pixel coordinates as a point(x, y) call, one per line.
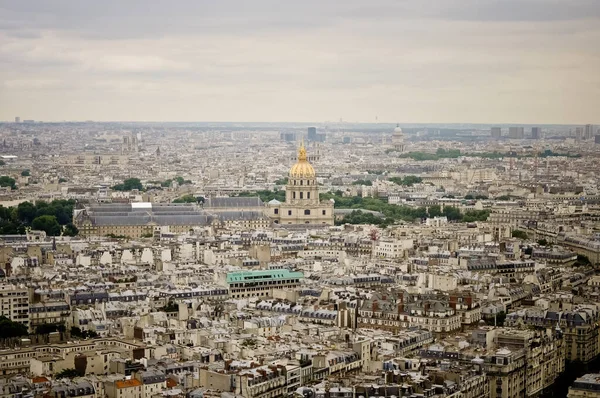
point(302, 169)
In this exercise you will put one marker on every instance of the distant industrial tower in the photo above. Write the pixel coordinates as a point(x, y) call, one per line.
point(496, 132)
point(536, 133)
point(314, 137)
point(287, 136)
point(589, 132)
point(517, 133)
point(398, 139)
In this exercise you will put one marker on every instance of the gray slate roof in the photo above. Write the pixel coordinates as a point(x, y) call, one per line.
point(234, 202)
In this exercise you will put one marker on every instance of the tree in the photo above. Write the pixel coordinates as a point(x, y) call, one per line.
point(10, 329)
point(84, 334)
point(70, 230)
point(434, 211)
point(452, 213)
point(363, 182)
point(6, 181)
point(360, 217)
point(2, 162)
point(475, 215)
point(26, 212)
point(129, 185)
point(25, 173)
point(47, 328)
point(497, 320)
point(181, 181)
point(582, 260)
point(407, 181)
point(67, 374)
point(519, 234)
point(469, 197)
point(265, 195)
point(49, 224)
point(186, 199)
point(542, 242)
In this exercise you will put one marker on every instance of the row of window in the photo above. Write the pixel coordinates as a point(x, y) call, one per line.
point(301, 195)
point(306, 212)
point(301, 182)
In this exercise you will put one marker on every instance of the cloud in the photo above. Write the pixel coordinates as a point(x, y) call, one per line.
point(429, 61)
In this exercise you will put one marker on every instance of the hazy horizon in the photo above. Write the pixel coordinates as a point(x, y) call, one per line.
point(441, 62)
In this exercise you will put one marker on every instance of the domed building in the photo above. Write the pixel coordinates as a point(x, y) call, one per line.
point(398, 139)
point(302, 204)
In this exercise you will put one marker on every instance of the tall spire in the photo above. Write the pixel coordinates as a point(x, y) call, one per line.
point(302, 152)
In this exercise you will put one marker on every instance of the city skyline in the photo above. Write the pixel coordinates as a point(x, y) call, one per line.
point(517, 62)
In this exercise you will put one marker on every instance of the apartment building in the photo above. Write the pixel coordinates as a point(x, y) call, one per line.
point(261, 382)
point(54, 312)
point(14, 303)
point(586, 386)
point(579, 327)
point(402, 311)
point(129, 388)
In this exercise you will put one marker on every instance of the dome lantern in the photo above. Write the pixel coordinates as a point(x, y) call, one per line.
point(302, 168)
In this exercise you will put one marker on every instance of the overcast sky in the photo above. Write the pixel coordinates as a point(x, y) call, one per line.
point(437, 61)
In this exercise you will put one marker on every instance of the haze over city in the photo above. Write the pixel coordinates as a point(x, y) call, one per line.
point(299, 199)
point(447, 61)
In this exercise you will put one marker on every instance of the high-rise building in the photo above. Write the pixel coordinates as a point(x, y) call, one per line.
point(288, 136)
point(588, 132)
point(312, 134)
point(516, 132)
point(17, 119)
point(597, 139)
point(536, 133)
point(496, 132)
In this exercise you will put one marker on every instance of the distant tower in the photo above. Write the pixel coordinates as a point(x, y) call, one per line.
point(536, 133)
point(496, 132)
point(158, 152)
point(398, 139)
point(516, 133)
point(312, 134)
point(17, 119)
point(130, 143)
point(588, 132)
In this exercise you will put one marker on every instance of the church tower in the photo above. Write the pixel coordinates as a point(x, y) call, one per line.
point(302, 204)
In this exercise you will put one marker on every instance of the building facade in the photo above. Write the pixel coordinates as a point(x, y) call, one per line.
point(14, 303)
point(302, 204)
